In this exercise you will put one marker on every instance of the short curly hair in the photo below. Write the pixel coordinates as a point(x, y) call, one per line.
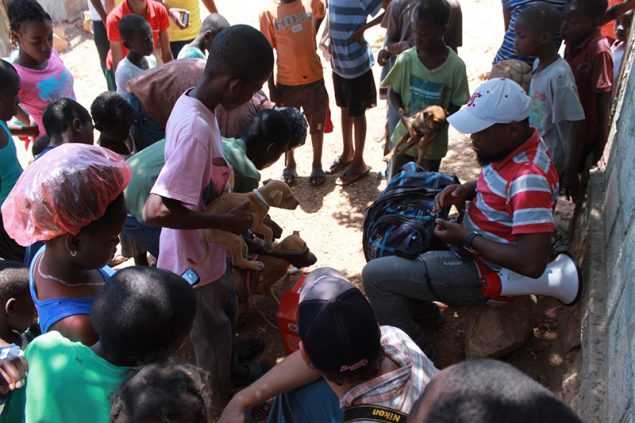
point(111, 109)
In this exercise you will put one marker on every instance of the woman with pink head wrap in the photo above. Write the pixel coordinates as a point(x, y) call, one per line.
point(71, 199)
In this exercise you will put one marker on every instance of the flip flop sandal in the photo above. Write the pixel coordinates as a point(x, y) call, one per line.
point(344, 181)
point(290, 176)
point(318, 177)
point(338, 165)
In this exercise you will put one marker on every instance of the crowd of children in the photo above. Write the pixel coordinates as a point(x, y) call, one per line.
point(174, 136)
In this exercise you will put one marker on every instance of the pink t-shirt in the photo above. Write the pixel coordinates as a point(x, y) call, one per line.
point(41, 87)
point(193, 160)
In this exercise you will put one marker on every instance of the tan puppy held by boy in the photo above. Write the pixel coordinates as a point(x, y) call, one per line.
point(423, 129)
point(272, 194)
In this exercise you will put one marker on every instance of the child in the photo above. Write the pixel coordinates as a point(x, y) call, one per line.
point(155, 13)
point(291, 27)
point(136, 36)
point(618, 47)
point(199, 47)
point(10, 169)
point(71, 198)
point(240, 61)
point(140, 318)
point(114, 117)
point(429, 74)
point(160, 393)
point(18, 312)
point(555, 107)
point(65, 121)
point(43, 76)
point(353, 82)
point(589, 55)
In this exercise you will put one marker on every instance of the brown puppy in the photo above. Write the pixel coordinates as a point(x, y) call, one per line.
point(423, 128)
point(272, 194)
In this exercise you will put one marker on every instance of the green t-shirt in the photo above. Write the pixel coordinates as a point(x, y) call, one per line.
point(421, 87)
point(147, 164)
point(67, 382)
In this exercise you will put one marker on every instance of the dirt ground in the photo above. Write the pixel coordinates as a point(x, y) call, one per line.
point(330, 218)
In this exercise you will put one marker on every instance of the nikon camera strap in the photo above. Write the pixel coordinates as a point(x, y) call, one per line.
point(372, 413)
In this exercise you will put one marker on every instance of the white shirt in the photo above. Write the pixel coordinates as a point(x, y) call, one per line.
point(126, 70)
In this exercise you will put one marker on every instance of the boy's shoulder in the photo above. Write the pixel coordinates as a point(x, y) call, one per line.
point(43, 349)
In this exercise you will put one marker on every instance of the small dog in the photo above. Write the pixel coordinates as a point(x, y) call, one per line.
point(272, 194)
point(516, 70)
point(423, 129)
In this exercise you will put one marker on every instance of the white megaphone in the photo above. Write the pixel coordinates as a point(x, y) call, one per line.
point(561, 280)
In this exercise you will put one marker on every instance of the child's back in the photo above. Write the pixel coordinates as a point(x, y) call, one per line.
point(290, 28)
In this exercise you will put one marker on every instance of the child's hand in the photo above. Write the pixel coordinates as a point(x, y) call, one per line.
point(450, 232)
point(383, 57)
point(13, 371)
point(358, 36)
point(175, 14)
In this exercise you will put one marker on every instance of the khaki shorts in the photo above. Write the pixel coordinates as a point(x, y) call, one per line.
point(311, 98)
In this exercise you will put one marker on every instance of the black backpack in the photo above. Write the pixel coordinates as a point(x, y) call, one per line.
point(401, 221)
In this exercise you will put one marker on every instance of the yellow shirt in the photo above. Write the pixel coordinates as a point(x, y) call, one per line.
point(193, 28)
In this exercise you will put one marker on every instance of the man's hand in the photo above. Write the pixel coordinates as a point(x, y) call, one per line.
point(234, 412)
point(450, 233)
point(453, 195)
point(13, 371)
point(383, 57)
point(239, 220)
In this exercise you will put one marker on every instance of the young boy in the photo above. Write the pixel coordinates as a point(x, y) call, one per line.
point(555, 107)
point(618, 48)
point(136, 35)
point(199, 47)
point(155, 13)
point(429, 74)
point(291, 27)
point(65, 121)
point(239, 63)
point(158, 314)
point(342, 348)
point(162, 393)
point(353, 82)
point(113, 117)
point(589, 55)
point(18, 311)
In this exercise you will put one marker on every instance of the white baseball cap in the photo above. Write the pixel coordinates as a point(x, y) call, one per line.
point(499, 100)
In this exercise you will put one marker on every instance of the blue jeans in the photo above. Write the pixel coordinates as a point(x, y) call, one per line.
point(145, 237)
point(145, 129)
point(313, 403)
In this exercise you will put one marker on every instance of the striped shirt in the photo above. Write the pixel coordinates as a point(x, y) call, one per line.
point(400, 388)
point(514, 7)
point(515, 196)
point(350, 59)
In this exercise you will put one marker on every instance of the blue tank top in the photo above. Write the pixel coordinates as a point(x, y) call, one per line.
point(53, 310)
point(10, 169)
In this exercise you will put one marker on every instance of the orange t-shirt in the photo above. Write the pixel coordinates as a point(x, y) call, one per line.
point(290, 28)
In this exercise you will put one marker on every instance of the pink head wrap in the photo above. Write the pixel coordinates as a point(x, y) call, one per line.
point(65, 190)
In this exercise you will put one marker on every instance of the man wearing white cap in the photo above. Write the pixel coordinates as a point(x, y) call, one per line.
point(504, 243)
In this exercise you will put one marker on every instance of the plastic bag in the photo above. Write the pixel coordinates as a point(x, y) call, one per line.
point(63, 191)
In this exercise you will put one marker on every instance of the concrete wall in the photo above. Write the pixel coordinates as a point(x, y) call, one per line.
point(64, 10)
point(606, 240)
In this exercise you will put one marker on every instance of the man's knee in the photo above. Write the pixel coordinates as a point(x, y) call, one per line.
point(377, 273)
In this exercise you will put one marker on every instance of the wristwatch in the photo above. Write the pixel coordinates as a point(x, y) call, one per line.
point(468, 241)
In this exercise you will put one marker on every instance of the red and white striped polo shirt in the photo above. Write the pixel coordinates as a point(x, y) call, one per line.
point(515, 196)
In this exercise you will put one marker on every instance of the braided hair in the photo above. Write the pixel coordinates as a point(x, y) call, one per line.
point(21, 11)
